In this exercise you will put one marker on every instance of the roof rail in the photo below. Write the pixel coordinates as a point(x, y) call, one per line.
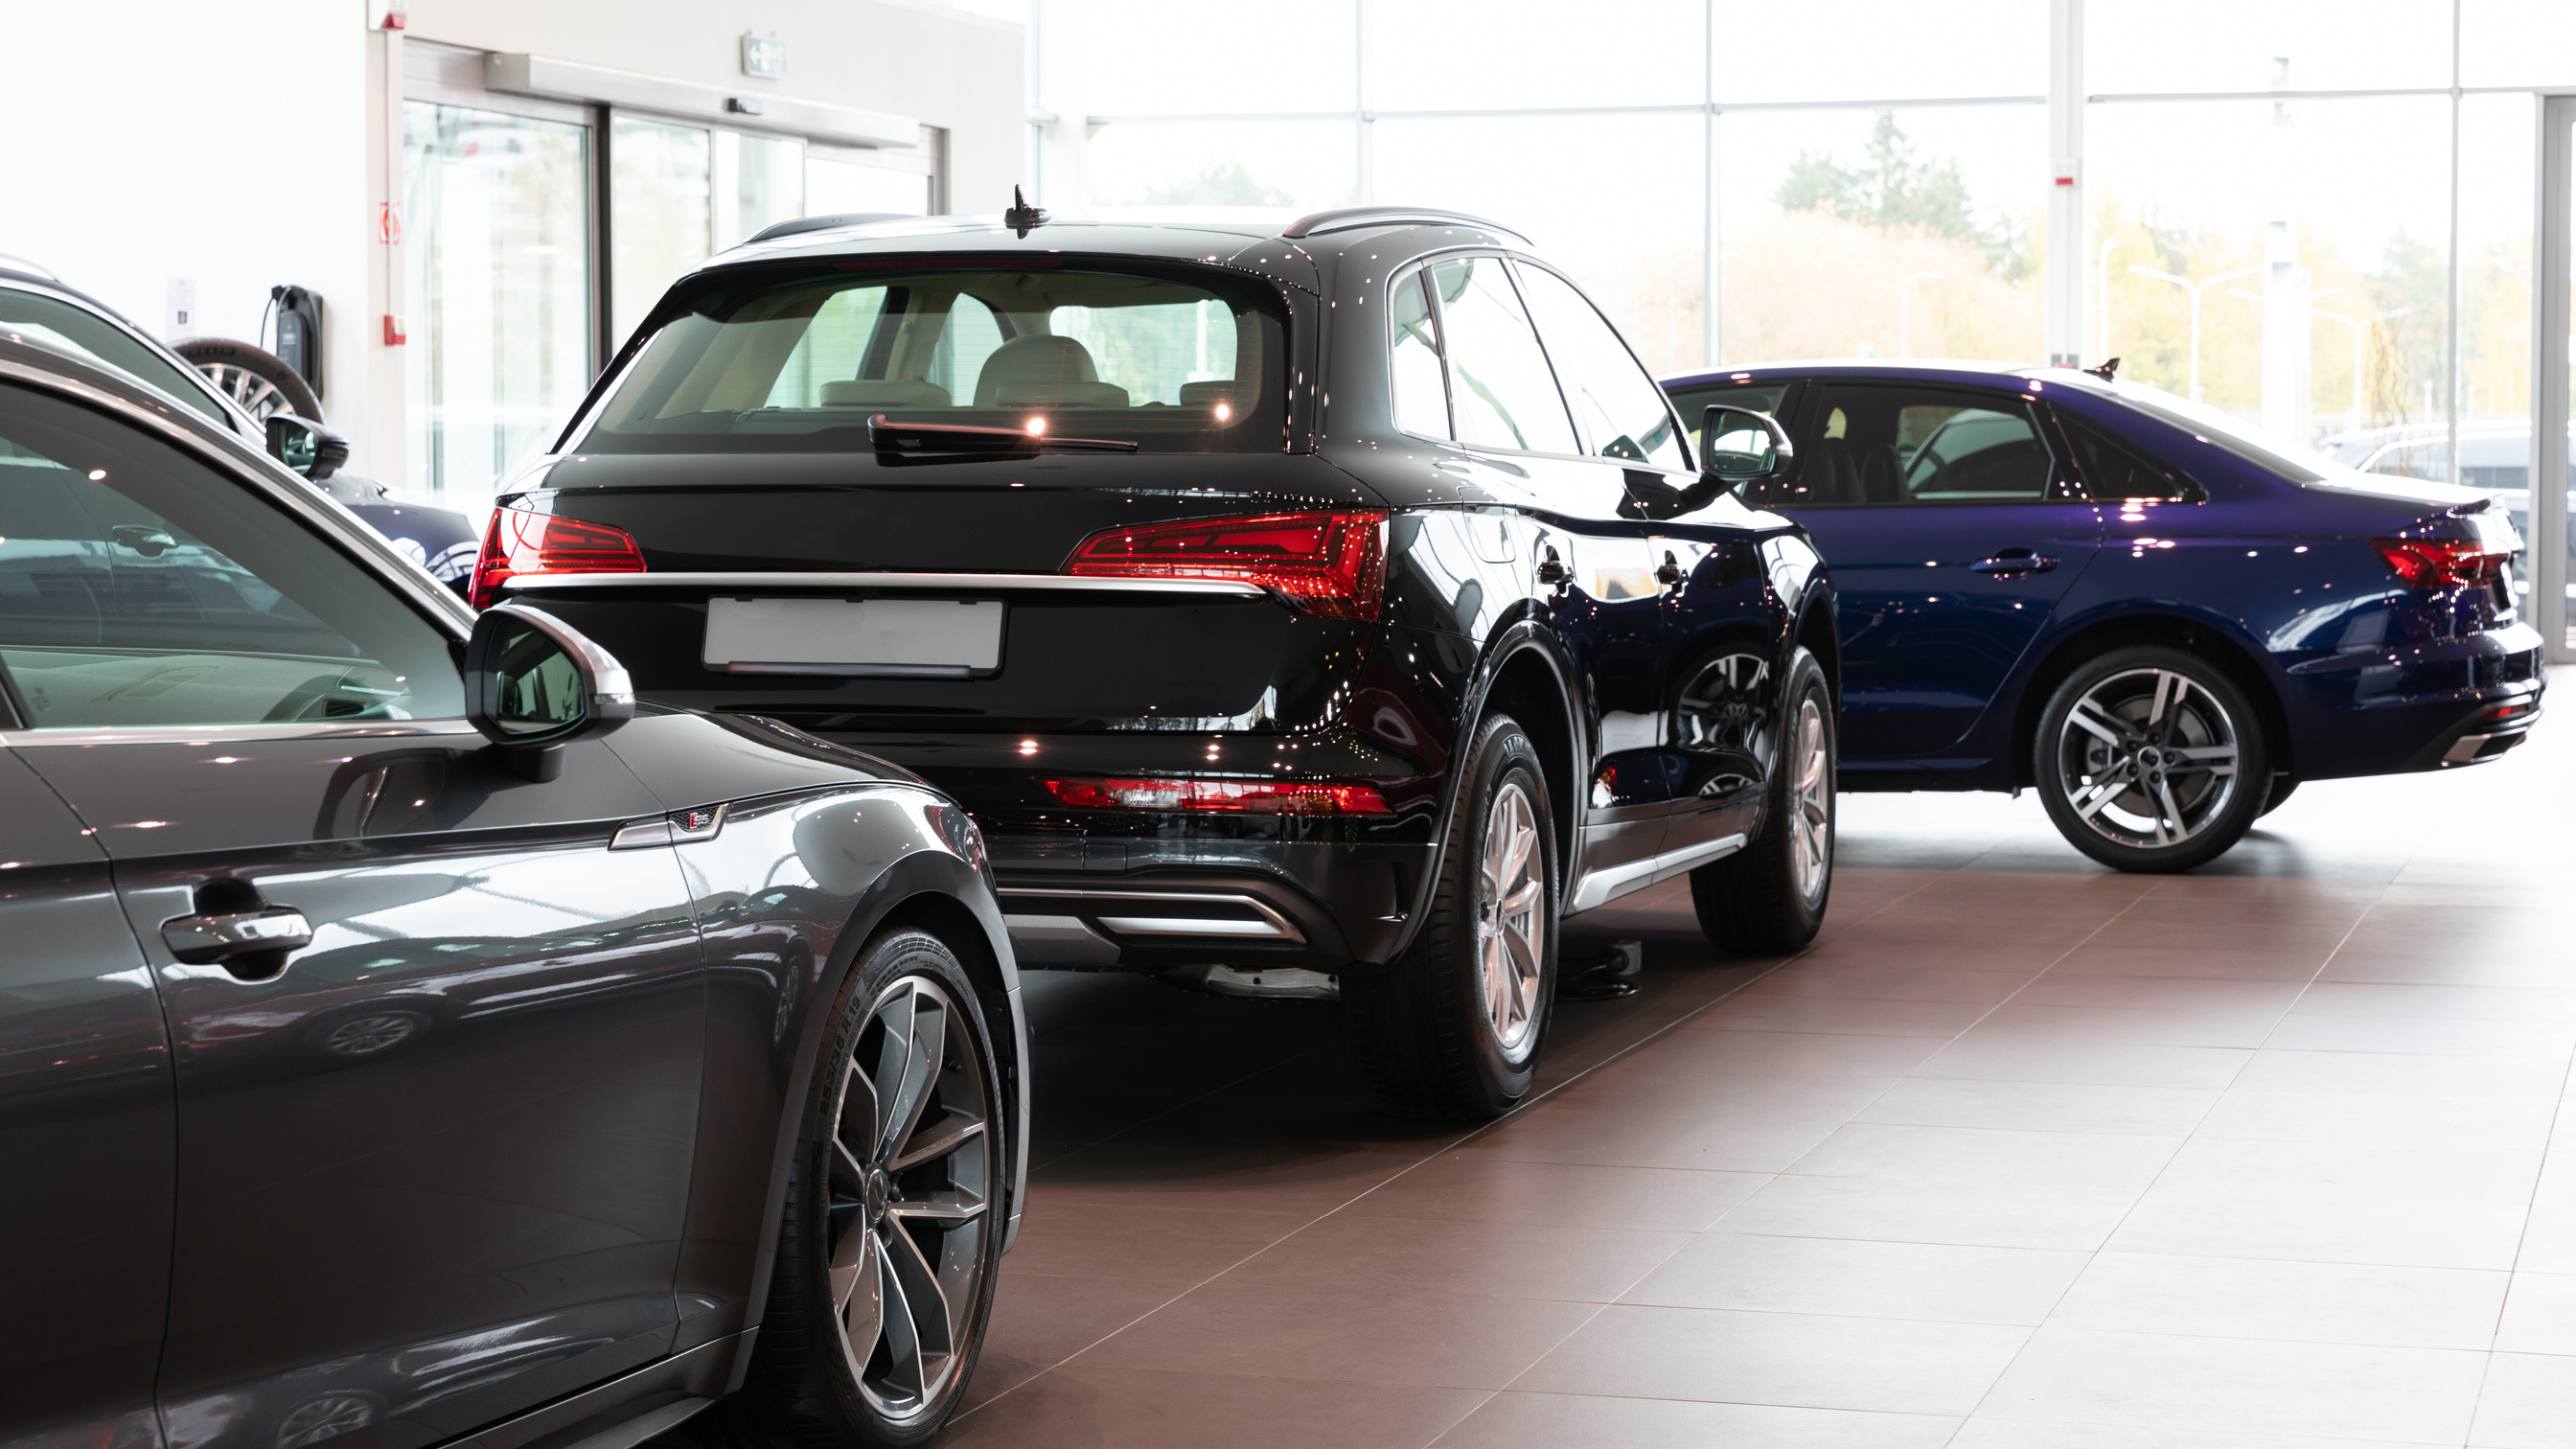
point(825, 223)
point(1345, 218)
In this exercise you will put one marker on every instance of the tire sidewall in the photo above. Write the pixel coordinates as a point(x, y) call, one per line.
point(891, 956)
point(1806, 680)
point(2253, 761)
point(1503, 756)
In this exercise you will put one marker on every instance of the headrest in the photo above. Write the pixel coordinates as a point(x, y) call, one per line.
point(1209, 394)
point(892, 392)
point(1033, 362)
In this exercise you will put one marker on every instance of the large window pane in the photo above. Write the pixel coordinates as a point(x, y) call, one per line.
point(1439, 55)
point(1295, 165)
point(497, 257)
point(659, 188)
point(1155, 57)
point(1867, 50)
point(2239, 45)
point(1882, 233)
point(2269, 216)
point(766, 180)
point(1613, 200)
point(2518, 43)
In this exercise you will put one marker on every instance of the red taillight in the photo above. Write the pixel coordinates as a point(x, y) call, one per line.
point(521, 542)
point(1253, 797)
point(2442, 563)
point(1331, 564)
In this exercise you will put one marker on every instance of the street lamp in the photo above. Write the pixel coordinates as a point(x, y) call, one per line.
point(2102, 276)
point(2197, 291)
point(1905, 310)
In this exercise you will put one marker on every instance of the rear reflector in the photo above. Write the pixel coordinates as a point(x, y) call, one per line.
point(1253, 797)
point(521, 542)
point(2442, 563)
point(1332, 564)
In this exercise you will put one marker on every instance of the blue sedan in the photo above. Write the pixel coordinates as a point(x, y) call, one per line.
point(2161, 621)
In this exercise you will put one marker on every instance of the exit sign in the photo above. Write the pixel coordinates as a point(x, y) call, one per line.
point(764, 57)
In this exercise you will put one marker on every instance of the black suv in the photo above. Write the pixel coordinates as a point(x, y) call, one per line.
point(1318, 611)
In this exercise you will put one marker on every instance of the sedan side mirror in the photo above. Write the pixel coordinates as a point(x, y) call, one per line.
point(534, 684)
point(306, 446)
point(1742, 446)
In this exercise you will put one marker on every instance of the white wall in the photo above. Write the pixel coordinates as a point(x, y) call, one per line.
point(146, 139)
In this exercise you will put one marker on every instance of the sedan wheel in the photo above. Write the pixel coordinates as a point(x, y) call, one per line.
point(2150, 759)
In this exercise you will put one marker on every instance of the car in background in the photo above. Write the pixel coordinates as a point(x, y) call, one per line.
point(36, 307)
point(405, 1035)
point(2495, 459)
point(1322, 610)
point(2160, 621)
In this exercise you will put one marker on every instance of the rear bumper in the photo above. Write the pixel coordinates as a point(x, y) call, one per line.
point(2388, 711)
point(1318, 907)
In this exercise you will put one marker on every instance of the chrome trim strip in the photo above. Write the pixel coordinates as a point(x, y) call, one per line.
point(1271, 926)
point(641, 835)
point(237, 734)
point(1600, 887)
point(2465, 749)
point(908, 582)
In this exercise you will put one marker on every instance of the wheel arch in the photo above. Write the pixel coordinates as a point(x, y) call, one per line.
point(2221, 646)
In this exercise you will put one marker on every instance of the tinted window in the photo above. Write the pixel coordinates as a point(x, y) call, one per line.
point(67, 328)
point(1619, 409)
point(764, 362)
point(1501, 393)
point(2112, 469)
point(139, 586)
point(1421, 399)
point(1889, 444)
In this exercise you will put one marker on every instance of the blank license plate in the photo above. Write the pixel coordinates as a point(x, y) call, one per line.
point(932, 638)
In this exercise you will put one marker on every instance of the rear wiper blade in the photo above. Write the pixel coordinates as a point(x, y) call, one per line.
point(894, 440)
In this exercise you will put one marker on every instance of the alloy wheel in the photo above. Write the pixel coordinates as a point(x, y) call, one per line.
point(2147, 758)
point(257, 395)
point(1511, 918)
point(1811, 803)
point(912, 1171)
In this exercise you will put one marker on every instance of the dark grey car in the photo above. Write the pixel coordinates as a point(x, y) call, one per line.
point(390, 1053)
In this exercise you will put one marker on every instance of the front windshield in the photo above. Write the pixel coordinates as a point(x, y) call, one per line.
point(778, 360)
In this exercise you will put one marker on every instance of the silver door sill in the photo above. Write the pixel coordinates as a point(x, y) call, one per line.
point(1601, 887)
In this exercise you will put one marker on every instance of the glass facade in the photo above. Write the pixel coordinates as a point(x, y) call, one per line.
point(497, 251)
point(660, 209)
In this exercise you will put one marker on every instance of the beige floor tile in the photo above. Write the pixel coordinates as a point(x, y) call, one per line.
point(2281, 1069)
point(1985, 1432)
point(1917, 1212)
point(2468, 1003)
point(1797, 1360)
point(1855, 1278)
point(2306, 1302)
point(2332, 1203)
point(2042, 1106)
point(1517, 1420)
point(2002, 1162)
point(2167, 1382)
point(2425, 1036)
point(2539, 1315)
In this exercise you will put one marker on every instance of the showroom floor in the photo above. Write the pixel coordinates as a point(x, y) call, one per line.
point(2022, 1153)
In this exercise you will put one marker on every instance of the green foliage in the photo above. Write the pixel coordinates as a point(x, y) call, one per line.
point(1894, 189)
point(1220, 184)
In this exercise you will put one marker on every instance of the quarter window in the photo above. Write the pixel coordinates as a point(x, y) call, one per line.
point(1421, 398)
point(1620, 411)
point(141, 587)
point(1501, 392)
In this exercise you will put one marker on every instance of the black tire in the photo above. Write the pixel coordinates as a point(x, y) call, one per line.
point(257, 379)
point(2282, 785)
point(2150, 775)
point(1769, 898)
point(1426, 1027)
point(805, 1384)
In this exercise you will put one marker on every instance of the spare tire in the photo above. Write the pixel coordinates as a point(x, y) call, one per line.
point(259, 380)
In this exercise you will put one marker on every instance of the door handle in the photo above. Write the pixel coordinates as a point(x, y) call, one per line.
point(205, 940)
point(1448, 466)
point(2015, 561)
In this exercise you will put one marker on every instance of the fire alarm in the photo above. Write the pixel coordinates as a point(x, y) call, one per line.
point(395, 17)
point(394, 334)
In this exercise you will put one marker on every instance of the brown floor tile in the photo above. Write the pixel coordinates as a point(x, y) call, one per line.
point(1164, 1244)
point(1846, 1016)
point(1076, 1407)
point(1487, 1189)
point(1754, 1138)
point(1040, 1320)
point(1517, 1420)
point(1890, 983)
point(1328, 1331)
point(1370, 1257)
point(1798, 1360)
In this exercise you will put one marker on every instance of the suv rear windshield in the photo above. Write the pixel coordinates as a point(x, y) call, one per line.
point(765, 360)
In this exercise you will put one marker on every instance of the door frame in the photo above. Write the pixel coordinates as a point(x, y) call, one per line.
point(2552, 258)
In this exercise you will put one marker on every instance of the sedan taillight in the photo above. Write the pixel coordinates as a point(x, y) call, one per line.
point(520, 542)
point(1250, 797)
point(2442, 563)
point(1332, 564)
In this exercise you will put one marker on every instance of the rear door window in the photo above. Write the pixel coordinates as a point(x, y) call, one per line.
point(1895, 444)
point(1501, 391)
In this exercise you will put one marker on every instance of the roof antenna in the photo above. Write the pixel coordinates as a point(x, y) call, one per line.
point(1022, 217)
point(2103, 372)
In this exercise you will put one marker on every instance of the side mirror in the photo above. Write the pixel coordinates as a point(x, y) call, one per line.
point(534, 684)
point(306, 446)
point(1742, 446)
